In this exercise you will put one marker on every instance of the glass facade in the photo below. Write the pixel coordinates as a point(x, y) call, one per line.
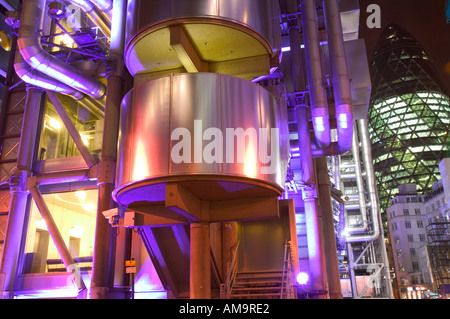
point(74, 214)
point(55, 140)
point(409, 115)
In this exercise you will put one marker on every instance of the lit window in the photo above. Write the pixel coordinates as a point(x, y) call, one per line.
point(74, 213)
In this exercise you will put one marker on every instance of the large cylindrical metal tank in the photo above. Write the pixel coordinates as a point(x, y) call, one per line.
point(219, 136)
point(217, 31)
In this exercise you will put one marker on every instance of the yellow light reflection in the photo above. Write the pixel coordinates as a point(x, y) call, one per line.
point(141, 162)
point(251, 161)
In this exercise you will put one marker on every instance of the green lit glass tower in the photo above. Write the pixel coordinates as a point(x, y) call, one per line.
point(409, 115)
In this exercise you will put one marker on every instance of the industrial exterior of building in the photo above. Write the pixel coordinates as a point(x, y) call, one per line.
point(418, 228)
point(188, 149)
point(409, 115)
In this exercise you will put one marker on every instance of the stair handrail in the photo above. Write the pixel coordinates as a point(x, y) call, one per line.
point(232, 272)
point(288, 272)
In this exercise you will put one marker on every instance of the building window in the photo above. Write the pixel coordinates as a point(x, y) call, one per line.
point(55, 141)
point(412, 251)
point(408, 224)
point(410, 238)
point(422, 237)
point(74, 213)
point(419, 224)
point(406, 212)
point(415, 266)
point(417, 211)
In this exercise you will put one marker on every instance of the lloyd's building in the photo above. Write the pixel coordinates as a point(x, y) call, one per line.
point(187, 149)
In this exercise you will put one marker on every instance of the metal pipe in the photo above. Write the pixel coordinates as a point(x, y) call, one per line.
point(360, 186)
point(103, 5)
point(301, 109)
point(304, 143)
point(33, 53)
point(36, 78)
point(106, 7)
point(316, 254)
point(101, 20)
point(318, 96)
point(366, 153)
point(340, 79)
point(329, 238)
point(85, 153)
point(7, 6)
point(29, 129)
point(341, 84)
point(13, 233)
point(104, 245)
point(58, 240)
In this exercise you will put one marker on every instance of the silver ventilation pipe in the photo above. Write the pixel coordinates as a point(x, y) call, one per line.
point(33, 53)
point(7, 6)
point(366, 153)
point(36, 78)
point(340, 81)
point(101, 19)
point(104, 5)
point(318, 96)
point(40, 80)
point(360, 187)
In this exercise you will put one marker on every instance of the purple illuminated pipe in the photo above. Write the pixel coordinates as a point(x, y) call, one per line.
point(341, 83)
point(33, 53)
point(36, 78)
point(103, 5)
point(103, 20)
point(318, 96)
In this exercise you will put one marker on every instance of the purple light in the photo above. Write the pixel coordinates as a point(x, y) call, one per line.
point(302, 278)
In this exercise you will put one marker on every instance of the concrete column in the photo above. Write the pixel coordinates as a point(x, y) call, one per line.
point(329, 238)
point(200, 263)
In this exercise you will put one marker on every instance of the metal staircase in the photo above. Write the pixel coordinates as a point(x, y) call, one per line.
point(258, 285)
point(262, 284)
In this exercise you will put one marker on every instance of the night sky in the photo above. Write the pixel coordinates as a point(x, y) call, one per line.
point(425, 20)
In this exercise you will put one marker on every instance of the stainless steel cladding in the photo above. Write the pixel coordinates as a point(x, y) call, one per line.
point(219, 30)
point(201, 127)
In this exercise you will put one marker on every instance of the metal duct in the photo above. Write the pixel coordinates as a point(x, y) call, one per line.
point(322, 145)
point(340, 79)
point(7, 5)
point(366, 153)
point(103, 5)
point(360, 185)
point(33, 53)
point(101, 20)
point(36, 78)
point(318, 96)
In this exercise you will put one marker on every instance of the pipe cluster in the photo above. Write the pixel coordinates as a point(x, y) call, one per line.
point(36, 66)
